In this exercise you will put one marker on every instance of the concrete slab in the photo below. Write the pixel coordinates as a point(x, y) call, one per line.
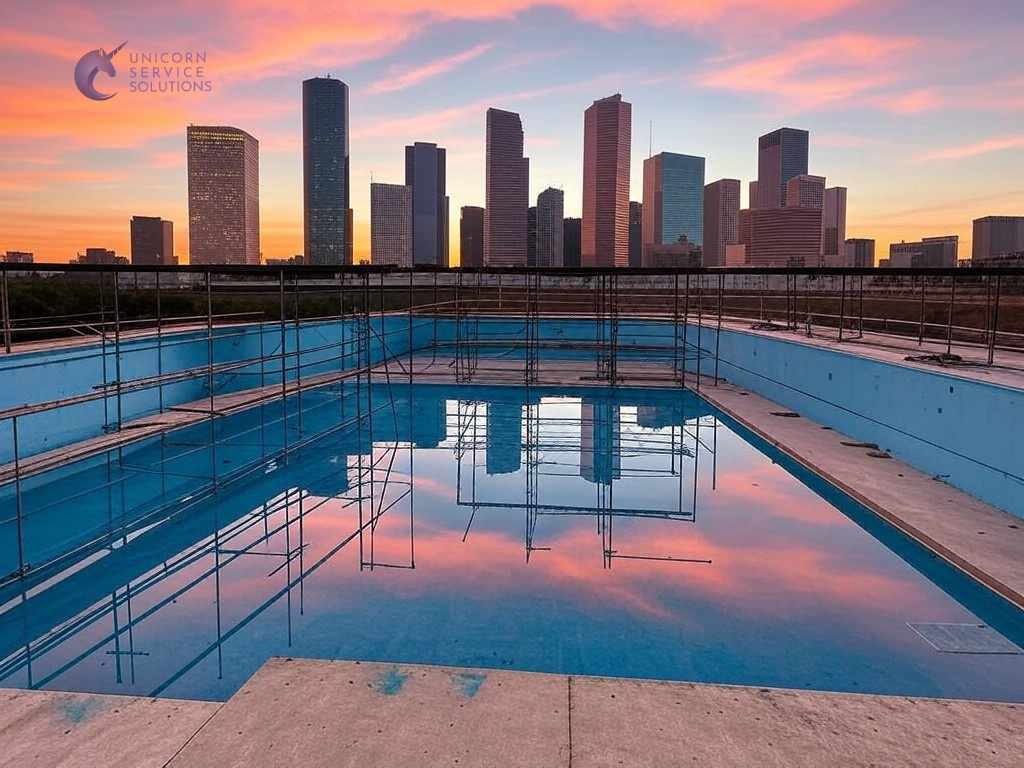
point(321, 713)
point(985, 542)
point(643, 723)
point(48, 729)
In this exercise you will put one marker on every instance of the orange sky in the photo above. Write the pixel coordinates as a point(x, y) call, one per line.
point(915, 106)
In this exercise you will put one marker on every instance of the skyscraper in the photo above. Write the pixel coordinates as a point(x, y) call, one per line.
point(327, 217)
point(391, 236)
point(223, 195)
point(507, 190)
point(780, 237)
point(996, 236)
point(833, 228)
point(805, 191)
point(571, 238)
point(550, 208)
point(425, 176)
point(781, 155)
point(938, 251)
point(636, 233)
point(752, 201)
point(673, 199)
point(606, 145)
point(471, 236)
point(531, 236)
point(721, 219)
point(860, 252)
point(152, 240)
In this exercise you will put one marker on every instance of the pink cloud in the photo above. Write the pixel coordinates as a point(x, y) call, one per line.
point(974, 149)
point(416, 75)
point(814, 73)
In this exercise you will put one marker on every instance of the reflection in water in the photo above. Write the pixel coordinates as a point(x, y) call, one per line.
point(523, 528)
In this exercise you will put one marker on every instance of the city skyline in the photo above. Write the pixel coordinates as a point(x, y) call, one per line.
point(924, 143)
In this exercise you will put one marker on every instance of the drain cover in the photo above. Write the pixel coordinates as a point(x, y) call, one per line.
point(964, 638)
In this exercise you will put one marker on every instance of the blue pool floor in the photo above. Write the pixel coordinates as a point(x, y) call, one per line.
point(633, 533)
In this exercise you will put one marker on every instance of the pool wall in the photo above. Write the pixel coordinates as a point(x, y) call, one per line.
point(962, 431)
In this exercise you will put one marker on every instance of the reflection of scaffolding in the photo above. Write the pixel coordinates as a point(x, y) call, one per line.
point(601, 438)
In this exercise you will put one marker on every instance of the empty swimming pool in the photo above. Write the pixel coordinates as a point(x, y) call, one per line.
point(627, 532)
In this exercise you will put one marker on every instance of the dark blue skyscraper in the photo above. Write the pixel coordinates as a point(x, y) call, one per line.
point(327, 217)
point(425, 174)
point(781, 155)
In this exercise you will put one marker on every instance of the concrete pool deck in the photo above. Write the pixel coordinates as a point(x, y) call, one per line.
point(343, 713)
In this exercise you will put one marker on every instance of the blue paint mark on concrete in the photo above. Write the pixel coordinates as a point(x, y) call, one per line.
point(389, 683)
point(469, 682)
point(79, 710)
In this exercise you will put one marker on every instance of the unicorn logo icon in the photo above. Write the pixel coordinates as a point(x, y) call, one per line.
point(92, 64)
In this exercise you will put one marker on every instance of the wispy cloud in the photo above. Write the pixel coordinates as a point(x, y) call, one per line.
point(815, 73)
point(410, 77)
point(976, 148)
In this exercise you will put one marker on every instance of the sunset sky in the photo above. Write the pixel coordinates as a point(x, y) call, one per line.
point(916, 106)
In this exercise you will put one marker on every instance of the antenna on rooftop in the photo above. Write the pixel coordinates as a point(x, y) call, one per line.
point(650, 139)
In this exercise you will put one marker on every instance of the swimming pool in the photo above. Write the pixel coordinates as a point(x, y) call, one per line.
point(628, 532)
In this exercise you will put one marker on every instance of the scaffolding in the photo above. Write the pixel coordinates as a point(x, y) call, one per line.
point(183, 348)
point(211, 378)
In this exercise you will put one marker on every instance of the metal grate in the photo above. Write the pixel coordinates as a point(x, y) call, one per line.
point(965, 638)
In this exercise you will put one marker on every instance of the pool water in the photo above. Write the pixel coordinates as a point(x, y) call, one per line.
point(635, 533)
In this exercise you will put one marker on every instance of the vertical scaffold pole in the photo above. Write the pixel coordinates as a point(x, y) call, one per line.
point(842, 308)
point(284, 373)
point(995, 321)
point(117, 346)
point(209, 377)
point(718, 331)
point(949, 317)
point(6, 313)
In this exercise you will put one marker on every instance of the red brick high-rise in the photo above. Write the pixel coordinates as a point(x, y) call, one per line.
point(606, 143)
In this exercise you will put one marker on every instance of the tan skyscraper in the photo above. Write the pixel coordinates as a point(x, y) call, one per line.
point(391, 238)
point(606, 144)
point(507, 190)
point(223, 196)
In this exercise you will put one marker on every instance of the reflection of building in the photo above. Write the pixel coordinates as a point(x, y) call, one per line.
point(507, 189)
point(673, 205)
point(781, 155)
point(152, 240)
point(996, 238)
point(600, 447)
point(425, 177)
point(327, 216)
point(504, 436)
point(781, 237)
point(223, 196)
point(471, 236)
point(721, 220)
point(429, 420)
point(607, 124)
point(391, 224)
point(930, 252)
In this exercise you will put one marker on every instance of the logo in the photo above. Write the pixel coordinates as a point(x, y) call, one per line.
point(92, 64)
